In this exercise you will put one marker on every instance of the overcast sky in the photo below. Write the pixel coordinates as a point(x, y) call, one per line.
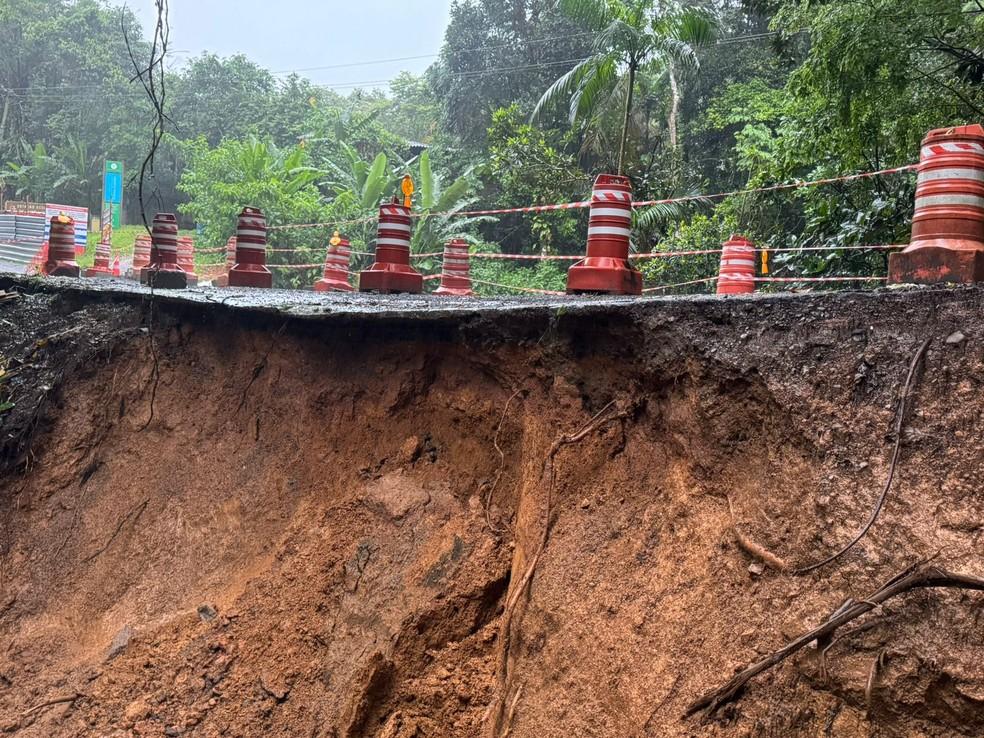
point(299, 34)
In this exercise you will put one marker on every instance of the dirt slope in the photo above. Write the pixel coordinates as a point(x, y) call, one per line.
point(250, 527)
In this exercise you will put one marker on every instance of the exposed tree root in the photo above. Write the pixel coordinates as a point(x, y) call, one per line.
point(51, 703)
point(497, 711)
point(920, 575)
point(900, 422)
point(752, 548)
point(876, 666)
point(502, 463)
point(135, 513)
point(512, 711)
point(155, 372)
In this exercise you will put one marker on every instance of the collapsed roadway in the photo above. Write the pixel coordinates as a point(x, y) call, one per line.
point(240, 512)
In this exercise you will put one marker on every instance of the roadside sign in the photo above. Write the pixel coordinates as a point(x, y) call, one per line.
point(113, 190)
point(113, 182)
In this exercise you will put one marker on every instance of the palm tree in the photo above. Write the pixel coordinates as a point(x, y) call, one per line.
point(631, 37)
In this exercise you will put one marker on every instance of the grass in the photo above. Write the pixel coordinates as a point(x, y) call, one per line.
point(123, 240)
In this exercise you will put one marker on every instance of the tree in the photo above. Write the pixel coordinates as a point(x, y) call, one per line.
point(33, 175)
point(356, 187)
point(496, 53)
point(220, 181)
point(526, 168)
point(632, 36)
point(873, 78)
point(220, 98)
point(414, 112)
point(79, 172)
point(64, 84)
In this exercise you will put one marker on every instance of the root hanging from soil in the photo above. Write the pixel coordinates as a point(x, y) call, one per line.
point(753, 549)
point(502, 463)
point(134, 514)
point(156, 372)
point(258, 369)
point(921, 575)
point(896, 452)
point(498, 727)
point(51, 703)
point(869, 690)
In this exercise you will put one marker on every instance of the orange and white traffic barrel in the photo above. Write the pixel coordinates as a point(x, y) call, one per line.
point(456, 270)
point(100, 266)
point(223, 279)
point(186, 259)
point(141, 258)
point(605, 268)
point(337, 261)
point(737, 274)
point(948, 225)
point(250, 269)
point(391, 271)
point(164, 271)
point(61, 249)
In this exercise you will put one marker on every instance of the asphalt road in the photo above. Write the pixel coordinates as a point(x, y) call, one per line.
point(314, 305)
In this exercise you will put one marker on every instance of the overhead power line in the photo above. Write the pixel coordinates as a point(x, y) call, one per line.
point(493, 47)
point(77, 90)
point(91, 93)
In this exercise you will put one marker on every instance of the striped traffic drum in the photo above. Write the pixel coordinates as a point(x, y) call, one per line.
point(164, 271)
point(230, 253)
point(605, 268)
point(948, 224)
point(456, 270)
point(391, 271)
point(335, 277)
point(223, 279)
point(250, 269)
point(141, 257)
point(186, 258)
point(737, 275)
point(61, 249)
point(101, 263)
point(950, 189)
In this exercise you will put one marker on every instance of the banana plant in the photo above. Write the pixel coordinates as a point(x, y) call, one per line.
point(357, 187)
point(79, 172)
point(441, 208)
point(34, 175)
point(365, 182)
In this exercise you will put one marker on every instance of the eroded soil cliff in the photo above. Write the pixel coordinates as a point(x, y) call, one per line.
point(220, 522)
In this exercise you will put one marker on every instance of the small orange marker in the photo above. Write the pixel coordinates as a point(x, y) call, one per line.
point(408, 189)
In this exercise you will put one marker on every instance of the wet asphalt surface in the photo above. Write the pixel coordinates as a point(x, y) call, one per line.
point(309, 304)
point(320, 306)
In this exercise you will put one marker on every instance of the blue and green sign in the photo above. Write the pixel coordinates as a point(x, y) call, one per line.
point(113, 190)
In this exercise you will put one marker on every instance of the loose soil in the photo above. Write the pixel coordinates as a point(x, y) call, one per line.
point(223, 522)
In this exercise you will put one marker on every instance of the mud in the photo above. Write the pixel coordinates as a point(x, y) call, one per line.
point(249, 520)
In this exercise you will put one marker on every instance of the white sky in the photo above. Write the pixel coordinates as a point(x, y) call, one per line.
point(300, 34)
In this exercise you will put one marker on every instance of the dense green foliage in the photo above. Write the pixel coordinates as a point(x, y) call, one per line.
point(528, 101)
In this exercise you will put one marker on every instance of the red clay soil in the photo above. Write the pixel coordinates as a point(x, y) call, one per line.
point(227, 525)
